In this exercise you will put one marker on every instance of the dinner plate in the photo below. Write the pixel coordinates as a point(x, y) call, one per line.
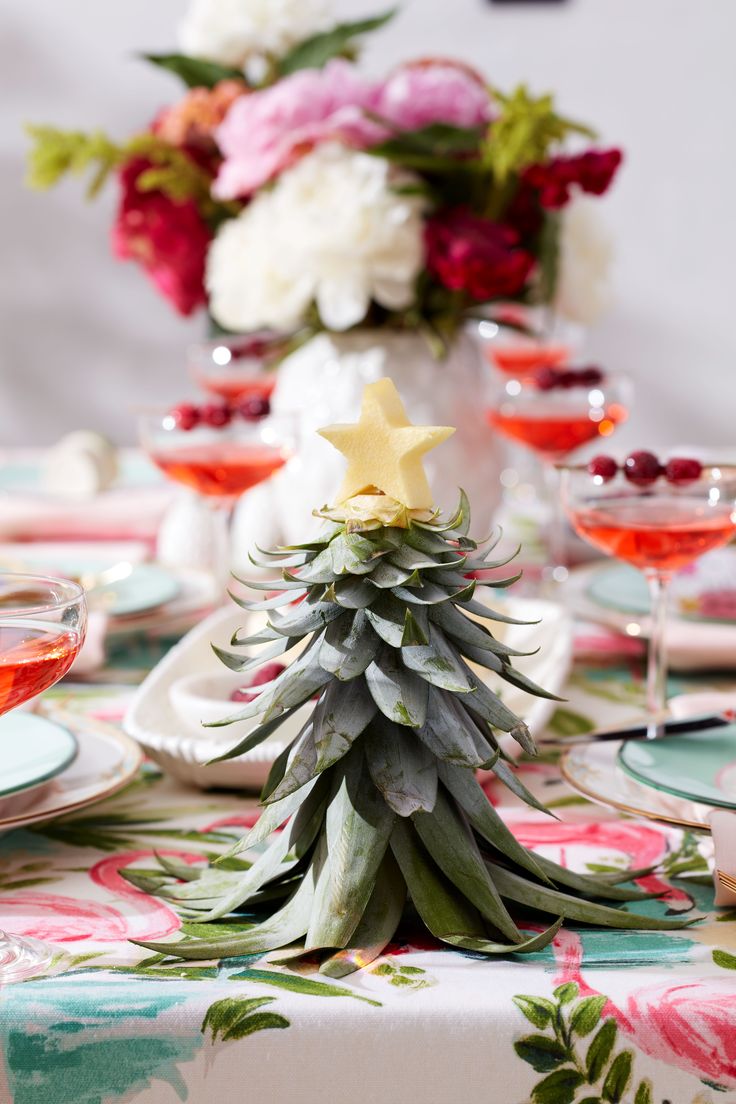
point(153, 720)
point(706, 591)
point(106, 761)
point(33, 750)
point(593, 771)
point(698, 766)
point(147, 587)
point(22, 473)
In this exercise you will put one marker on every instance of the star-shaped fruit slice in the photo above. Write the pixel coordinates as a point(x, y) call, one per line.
point(384, 450)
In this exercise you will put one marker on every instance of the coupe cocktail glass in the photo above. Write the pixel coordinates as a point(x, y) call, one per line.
point(42, 627)
point(219, 462)
point(659, 518)
point(553, 411)
point(237, 368)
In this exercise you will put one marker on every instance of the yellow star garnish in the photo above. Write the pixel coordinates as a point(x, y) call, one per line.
point(384, 450)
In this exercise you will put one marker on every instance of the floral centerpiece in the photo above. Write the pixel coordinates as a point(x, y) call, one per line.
point(288, 191)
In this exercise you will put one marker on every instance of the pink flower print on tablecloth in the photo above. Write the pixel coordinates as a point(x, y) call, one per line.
point(60, 919)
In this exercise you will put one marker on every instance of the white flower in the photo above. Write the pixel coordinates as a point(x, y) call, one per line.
point(233, 31)
point(586, 255)
point(333, 231)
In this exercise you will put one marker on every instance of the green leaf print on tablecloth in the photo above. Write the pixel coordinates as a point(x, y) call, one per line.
point(236, 1017)
point(576, 1051)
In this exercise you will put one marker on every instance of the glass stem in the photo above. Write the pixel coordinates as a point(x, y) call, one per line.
point(221, 552)
point(657, 654)
point(556, 527)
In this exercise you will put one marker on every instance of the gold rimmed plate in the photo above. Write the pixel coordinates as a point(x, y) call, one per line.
point(106, 761)
point(593, 771)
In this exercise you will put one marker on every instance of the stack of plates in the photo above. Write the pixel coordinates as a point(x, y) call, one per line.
point(136, 597)
point(679, 779)
point(49, 771)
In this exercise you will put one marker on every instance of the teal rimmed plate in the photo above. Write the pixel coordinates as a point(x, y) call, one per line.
point(145, 588)
point(699, 766)
point(32, 751)
point(706, 591)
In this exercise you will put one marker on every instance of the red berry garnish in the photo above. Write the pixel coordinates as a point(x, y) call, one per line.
point(549, 377)
point(267, 673)
point(215, 415)
point(186, 416)
point(642, 468)
point(681, 471)
point(603, 468)
point(254, 407)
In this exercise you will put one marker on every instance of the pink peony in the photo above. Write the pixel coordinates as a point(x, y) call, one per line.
point(434, 91)
point(267, 131)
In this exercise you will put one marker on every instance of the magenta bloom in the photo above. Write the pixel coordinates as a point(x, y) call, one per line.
point(426, 92)
point(167, 238)
point(592, 171)
point(471, 254)
point(267, 131)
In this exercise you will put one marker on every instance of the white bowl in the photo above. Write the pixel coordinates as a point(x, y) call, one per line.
point(189, 682)
point(199, 700)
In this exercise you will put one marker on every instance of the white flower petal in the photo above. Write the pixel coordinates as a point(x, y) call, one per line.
point(233, 31)
point(331, 230)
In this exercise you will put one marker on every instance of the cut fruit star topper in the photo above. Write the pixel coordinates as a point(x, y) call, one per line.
point(385, 451)
point(372, 817)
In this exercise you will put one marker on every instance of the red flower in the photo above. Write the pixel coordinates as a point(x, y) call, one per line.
point(169, 239)
point(592, 172)
point(471, 254)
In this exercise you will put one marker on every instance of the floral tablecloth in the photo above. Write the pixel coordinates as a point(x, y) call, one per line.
point(624, 1016)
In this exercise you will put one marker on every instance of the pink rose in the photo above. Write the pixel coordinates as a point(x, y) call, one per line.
point(267, 131)
point(434, 91)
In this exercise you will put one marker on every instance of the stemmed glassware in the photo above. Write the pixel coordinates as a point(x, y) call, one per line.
point(237, 368)
point(657, 517)
point(42, 627)
point(552, 410)
point(218, 453)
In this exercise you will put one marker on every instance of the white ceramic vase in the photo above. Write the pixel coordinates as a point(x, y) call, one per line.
point(323, 382)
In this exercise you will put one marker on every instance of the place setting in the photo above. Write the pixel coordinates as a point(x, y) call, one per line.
point(368, 589)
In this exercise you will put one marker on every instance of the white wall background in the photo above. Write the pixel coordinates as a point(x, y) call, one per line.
point(84, 338)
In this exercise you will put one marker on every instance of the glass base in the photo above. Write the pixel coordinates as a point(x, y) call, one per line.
point(22, 958)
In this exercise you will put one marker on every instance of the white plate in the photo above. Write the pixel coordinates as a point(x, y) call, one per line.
point(593, 771)
point(154, 722)
point(106, 761)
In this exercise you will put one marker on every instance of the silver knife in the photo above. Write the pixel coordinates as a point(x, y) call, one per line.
point(665, 726)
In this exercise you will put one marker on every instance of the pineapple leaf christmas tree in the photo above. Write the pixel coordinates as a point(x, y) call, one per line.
point(374, 811)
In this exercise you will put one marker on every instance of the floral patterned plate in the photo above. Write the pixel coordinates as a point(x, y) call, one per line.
point(593, 770)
